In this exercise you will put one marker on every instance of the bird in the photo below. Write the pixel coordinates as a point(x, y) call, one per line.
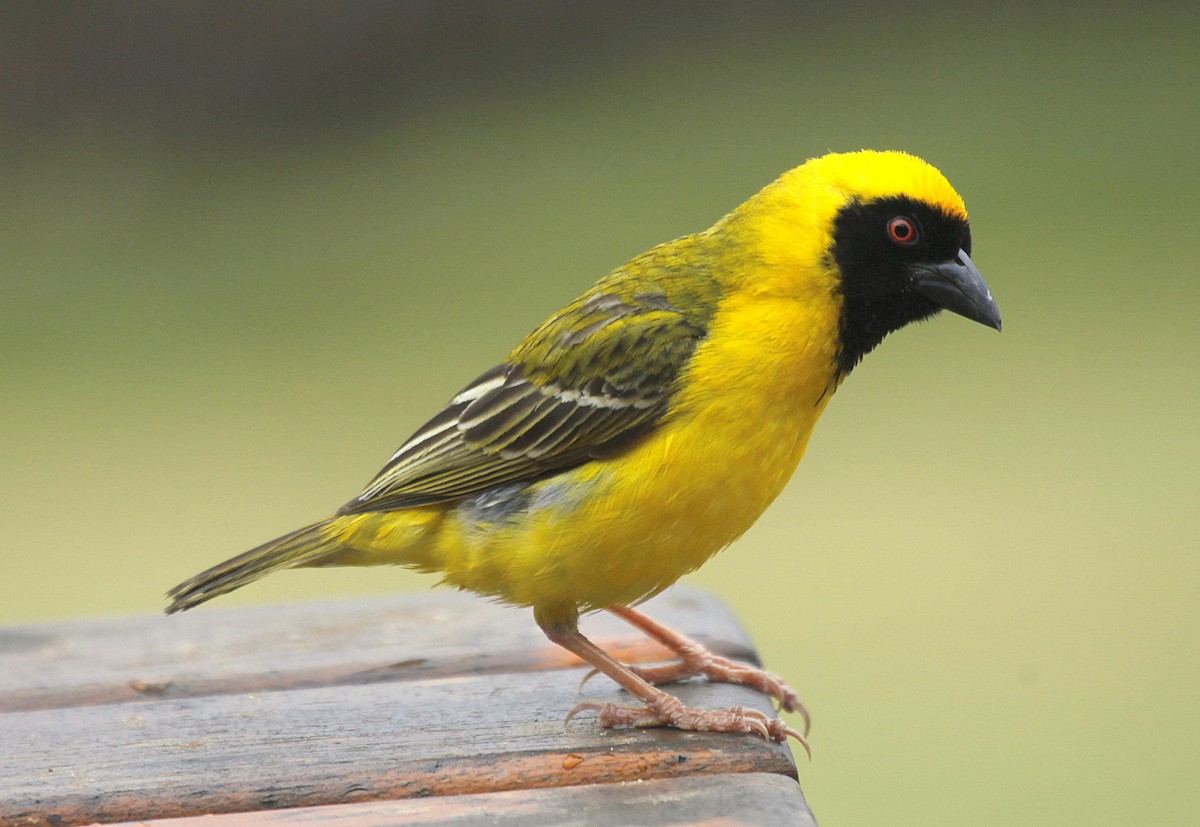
point(647, 424)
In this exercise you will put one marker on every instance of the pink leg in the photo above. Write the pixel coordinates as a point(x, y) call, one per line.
point(661, 709)
point(695, 661)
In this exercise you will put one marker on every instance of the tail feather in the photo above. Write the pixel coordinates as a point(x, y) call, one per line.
point(304, 547)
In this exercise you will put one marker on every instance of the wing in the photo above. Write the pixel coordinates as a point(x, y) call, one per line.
point(594, 377)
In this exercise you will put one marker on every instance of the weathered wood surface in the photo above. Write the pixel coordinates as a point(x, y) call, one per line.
point(743, 800)
point(244, 710)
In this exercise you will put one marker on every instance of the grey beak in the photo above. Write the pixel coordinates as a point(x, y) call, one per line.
point(957, 286)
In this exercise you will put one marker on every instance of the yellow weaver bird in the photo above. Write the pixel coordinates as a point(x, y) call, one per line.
point(647, 425)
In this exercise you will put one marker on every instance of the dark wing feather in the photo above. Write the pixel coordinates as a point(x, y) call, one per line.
point(594, 377)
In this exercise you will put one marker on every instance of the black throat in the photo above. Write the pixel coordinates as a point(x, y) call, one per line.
point(875, 270)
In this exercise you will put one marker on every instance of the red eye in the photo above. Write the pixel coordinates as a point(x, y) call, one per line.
point(902, 230)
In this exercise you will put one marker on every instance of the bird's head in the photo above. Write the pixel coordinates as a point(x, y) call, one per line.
point(885, 234)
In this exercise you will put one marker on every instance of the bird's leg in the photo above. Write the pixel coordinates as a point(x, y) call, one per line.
point(695, 660)
point(661, 709)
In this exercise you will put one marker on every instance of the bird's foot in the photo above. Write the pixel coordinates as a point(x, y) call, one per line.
point(669, 711)
point(696, 661)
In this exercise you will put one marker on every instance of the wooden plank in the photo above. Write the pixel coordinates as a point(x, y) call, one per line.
point(135, 722)
point(211, 651)
point(746, 800)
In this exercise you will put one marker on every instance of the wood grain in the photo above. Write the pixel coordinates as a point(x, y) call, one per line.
point(746, 800)
point(248, 710)
point(213, 650)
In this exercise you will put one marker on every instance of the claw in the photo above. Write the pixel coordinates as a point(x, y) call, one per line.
point(759, 727)
point(788, 702)
point(582, 706)
point(801, 710)
point(800, 739)
point(593, 673)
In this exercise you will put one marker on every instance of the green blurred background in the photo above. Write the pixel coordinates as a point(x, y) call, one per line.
point(247, 250)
